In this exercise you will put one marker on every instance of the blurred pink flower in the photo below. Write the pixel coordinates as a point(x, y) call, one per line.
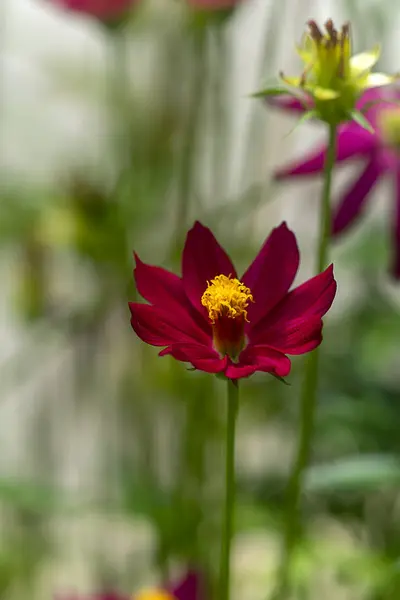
point(101, 9)
point(378, 150)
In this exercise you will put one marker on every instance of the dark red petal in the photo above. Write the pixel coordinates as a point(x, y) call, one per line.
point(154, 326)
point(272, 272)
point(353, 141)
point(259, 358)
point(201, 357)
point(311, 299)
point(203, 258)
point(165, 290)
point(295, 337)
point(352, 204)
point(158, 286)
point(239, 371)
point(188, 588)
point(395, 269)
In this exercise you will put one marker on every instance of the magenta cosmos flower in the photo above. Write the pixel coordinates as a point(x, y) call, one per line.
point(224, 324)
point(101, 9)
point(379, 151)
point(190, 587)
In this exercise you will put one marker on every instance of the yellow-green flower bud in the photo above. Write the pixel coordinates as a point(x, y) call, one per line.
point(332, 76)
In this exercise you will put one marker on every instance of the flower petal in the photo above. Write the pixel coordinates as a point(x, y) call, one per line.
point(259, 358)
point(375, 80)
point(352, 141)
point(203, 358)
point(289, 103)
point(156, 327)
point(158, 286)
point(165, 290)
point(188, 588)
point(353, 202)
point(364, 61)
point(292, 81)
point(203, 258)
point(296, 337)
point(296, 318)
point(324, 93)
point(395, 268)
point(272, 272)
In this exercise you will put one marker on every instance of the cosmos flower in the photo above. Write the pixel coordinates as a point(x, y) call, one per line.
point(332, 79)
point(103, 10)
point(220, 323)
point(379, 150)
point(190, 587)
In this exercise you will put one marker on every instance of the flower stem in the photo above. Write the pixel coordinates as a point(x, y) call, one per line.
point(230, 491)
point(308, 399)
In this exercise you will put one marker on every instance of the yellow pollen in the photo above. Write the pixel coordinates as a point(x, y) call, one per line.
point(226, 297)
point(152, 594)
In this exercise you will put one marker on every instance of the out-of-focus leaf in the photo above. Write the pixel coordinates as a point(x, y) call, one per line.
point(45, 499)
point(355, 474)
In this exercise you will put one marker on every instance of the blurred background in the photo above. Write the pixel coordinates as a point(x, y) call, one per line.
point(117, 138)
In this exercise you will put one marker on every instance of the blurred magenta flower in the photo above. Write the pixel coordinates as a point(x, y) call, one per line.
point(222, 324)
point(101, 9)
point(190, 587)
point(379, 149)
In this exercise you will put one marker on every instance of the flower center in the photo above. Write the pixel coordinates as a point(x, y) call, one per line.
point(389, 126)
point(153, 594)
point(226, 300)
point(226, 297)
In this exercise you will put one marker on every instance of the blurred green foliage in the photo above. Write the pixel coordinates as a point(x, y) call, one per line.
point(71, 245)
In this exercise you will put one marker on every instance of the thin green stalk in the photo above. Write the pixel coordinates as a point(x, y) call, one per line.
point(308, 399)
point(230, 491)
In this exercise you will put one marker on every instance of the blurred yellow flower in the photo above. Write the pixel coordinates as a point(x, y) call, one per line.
point(332, 76)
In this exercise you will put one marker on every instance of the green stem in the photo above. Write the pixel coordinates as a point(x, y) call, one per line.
point(308, 399)
point(230, 490)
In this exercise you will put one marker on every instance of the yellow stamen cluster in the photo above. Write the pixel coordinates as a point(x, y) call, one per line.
point(152, 594)
point(389, 126)
point(226, 296)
